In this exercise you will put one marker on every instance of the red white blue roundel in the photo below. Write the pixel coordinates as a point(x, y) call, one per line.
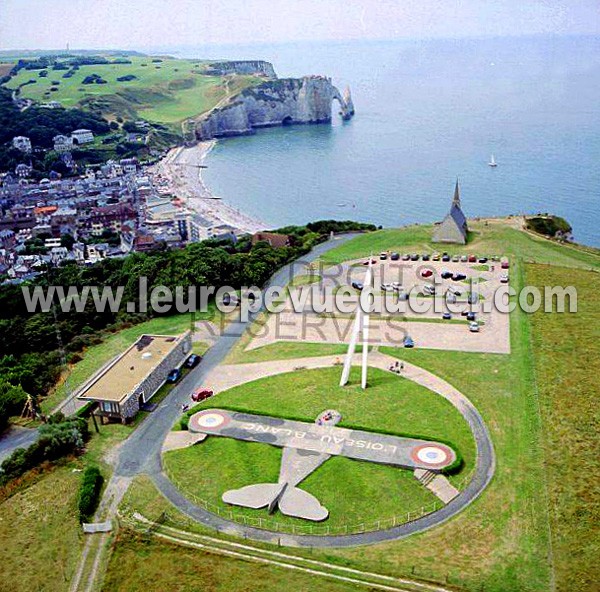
point(207, 420)
point(432, 455)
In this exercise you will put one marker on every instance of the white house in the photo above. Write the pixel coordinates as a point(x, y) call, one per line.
point(82, 136)
point(62, 144)
point(22, 143)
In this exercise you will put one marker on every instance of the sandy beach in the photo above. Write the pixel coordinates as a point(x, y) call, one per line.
point(179, 172)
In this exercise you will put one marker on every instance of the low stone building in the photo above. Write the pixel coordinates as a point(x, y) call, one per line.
point(132, 378)
point(453, 228)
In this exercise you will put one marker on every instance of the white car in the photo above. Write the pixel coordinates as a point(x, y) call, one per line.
point(504, 278)
point(474, 327)
point(387, 287)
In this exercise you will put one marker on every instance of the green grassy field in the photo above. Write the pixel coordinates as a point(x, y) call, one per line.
point(40, 534)
point(165, 92)
point(502, 542)
point(567, 363)
point(494, 237)
point(346, 487)
point(144, 564)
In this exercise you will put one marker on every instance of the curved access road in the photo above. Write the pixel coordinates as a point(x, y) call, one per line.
point(141, 452)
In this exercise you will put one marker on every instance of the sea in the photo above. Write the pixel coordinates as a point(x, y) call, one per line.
point(427, 112)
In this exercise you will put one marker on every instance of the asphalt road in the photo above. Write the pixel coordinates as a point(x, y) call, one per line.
point(16, 437)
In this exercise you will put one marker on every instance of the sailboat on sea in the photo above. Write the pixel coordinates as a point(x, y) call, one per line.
point(492, 162)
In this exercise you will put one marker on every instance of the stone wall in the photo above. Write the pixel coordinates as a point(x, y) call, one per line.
point(158, 376)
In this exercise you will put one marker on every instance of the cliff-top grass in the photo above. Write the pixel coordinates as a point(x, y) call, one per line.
point(168, 91)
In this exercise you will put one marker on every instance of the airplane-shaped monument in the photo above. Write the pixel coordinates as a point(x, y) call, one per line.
point(306, 446)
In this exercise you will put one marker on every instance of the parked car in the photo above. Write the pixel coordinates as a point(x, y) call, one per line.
point(446, 316)
point(383, 256)
point(408, 342)
point(426, 273)
point(174, 376)
point(457, 277)
point(455, 291)
point(397, 286)
point(201, 395)
point(473, 298)
point(445, 257)
point(435, 257)
point(373, 261)
point(470, 316)
point(405, 257)
point(387, 287)
point(446, 274)
point(414, 257)
point(192, 361)
point(395, 256)
point(504, 278)
point(474, 327)
point(450, 298)
point(483, 259)
point(464, 258)
point(472, 259)
point(504, 264)
point(358, 285)
point(425, 257)
point(464, 313)
point(429, 289)
point(456, 258)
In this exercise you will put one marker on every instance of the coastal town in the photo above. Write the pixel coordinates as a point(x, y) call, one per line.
point(109, 211)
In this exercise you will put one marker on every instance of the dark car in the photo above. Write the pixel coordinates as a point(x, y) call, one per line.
point(445, 257)
point(414, 257)
point(425, 257)
point(192, 361)
point(383, 256)
point(174, 375)
point(483, 259)
point(470, 316)
point(446, 316)
point(357, 285)
point(408, 342)
point(457, 277)
point(395, 256)
point(446, 274)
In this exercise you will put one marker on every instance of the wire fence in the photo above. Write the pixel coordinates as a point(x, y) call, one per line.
point(312, 529)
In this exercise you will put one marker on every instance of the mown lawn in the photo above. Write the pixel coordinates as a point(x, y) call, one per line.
point(567, 364)
point(353, 491)
point(495, 237)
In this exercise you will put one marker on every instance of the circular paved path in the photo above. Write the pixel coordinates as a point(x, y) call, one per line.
point(221, 379)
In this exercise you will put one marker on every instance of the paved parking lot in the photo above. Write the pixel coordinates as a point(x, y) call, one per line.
point(427, 329)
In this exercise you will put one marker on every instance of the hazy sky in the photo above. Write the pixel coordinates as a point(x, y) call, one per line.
point(138, 24)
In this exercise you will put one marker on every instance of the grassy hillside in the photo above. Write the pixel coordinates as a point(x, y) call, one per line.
point(162, 90)
point(567, 362)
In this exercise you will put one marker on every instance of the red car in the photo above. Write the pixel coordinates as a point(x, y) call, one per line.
point(201, 395)
point(472, 259)
point(426, 273)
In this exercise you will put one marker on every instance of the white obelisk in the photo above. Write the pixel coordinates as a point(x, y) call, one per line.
point(361, 325)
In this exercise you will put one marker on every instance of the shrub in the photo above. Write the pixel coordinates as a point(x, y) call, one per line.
point(89, 493)
point(58, 438)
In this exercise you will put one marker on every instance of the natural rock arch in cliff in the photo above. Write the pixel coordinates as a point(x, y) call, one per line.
point(283, 101)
